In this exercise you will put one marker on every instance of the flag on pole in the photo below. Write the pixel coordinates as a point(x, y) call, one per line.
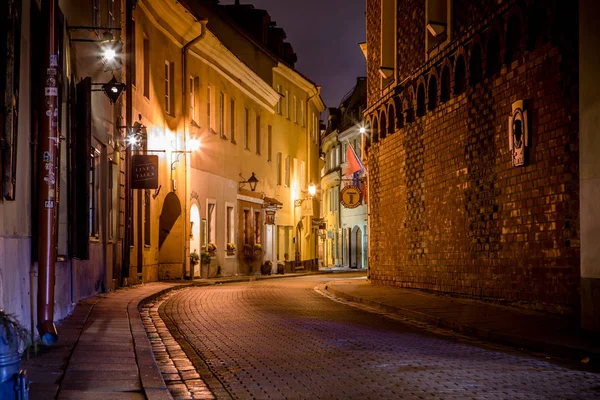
point(353, 163)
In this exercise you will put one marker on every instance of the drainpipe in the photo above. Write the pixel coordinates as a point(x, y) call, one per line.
point(126, 250)
point(184, 80)
point(48, 147)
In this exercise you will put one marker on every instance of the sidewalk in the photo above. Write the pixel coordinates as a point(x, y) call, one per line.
point(551, 334)
point(102, 351)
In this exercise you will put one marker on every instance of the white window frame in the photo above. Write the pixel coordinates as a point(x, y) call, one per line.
point(209, 108)
point(192, 91)
point(229, 225)
point(287, 171)
point(295, 109)
point(279, 166)
point(246, 129)
point(222, 114)
point(287, 104)
point(168, 94)
point(211, 220)
point(279, 102)
point(269, 143)
point(302, 113)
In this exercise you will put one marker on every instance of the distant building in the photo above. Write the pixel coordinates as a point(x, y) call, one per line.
point(346, 240)
point(474, 151)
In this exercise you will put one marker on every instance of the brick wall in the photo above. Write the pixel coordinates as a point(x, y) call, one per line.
point(465, 220)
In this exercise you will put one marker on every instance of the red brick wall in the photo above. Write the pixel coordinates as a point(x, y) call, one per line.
point(464, 219)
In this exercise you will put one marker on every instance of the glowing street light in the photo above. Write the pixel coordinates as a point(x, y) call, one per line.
point(312, 189)
point(362, 129)
point(194, 144)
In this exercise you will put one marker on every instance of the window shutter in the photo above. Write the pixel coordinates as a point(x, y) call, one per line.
point(80, 176)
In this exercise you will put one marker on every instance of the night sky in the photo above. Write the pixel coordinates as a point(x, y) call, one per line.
point(325, 36)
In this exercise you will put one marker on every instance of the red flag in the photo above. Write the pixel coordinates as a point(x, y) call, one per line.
point(353, 164)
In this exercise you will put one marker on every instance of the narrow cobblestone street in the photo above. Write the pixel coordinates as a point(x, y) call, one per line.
point(281, 339)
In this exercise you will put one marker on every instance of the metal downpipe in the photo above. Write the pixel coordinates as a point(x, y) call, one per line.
point(48, 145)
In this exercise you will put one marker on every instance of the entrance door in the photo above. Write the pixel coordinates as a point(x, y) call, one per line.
point(356, 248)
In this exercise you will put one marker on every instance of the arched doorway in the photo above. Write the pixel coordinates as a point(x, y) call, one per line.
point(170, 239)
point(356, 255)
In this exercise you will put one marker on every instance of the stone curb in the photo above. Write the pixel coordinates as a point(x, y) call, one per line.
point(559, 350)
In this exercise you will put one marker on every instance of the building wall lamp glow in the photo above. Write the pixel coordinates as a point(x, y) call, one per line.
point(193, 146)
point(312, 190)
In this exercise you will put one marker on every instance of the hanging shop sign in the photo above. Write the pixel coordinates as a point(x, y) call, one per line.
point(351, 196)
point(144, 172)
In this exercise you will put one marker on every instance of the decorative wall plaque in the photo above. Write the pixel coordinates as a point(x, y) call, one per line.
point(518, 134)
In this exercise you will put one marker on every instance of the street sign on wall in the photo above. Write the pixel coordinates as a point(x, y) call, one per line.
point(144, 172)
point(351, 196)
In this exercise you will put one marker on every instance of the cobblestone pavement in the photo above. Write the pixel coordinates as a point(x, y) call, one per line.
point(282, 339)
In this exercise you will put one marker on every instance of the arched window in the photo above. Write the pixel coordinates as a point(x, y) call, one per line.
point(374, 132)
point(513, 37)
point(475, 65)
point(391, 120)
point(445, 88)
point(432, 93)
point(421, 100)
point(460, 75)
point(383, 125)
point(493, 54)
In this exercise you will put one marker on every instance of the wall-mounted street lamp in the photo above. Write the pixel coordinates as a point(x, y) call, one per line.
point(312, 190)
point(252, 181)
point(112, 89)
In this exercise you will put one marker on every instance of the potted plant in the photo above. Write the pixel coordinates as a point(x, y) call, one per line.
point(12, 336)
point(230, 248)
point(212, 248)
point(257, 249)
point(194, 258)
point(266, 268)
point(205, 258)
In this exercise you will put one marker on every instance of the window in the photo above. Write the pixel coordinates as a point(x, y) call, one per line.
point(169, 98)
point(192, 91)
point(247, 227)
point(437, 24)
point(388, 42)
point(146, 68)
point(287, 104)
point(278, 172)
point(211, 221)
point(209, 108)
point(133, 51)
point(302, 113)
point(232, 120)
point(280, 100)
point(287, 171)
point(230, 224)
point(111, 198)
point(257, 227)
point(246, 129)
point(94, 214)
point(111, 13)
point(96, 16)
point(295, 110)
point(269, 143)
point(258, 143)
point(222, 114)
point(313, 126)
point(302, 174)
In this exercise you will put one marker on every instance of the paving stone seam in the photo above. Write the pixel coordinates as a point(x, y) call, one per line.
point(542, 348)
point(160, 329)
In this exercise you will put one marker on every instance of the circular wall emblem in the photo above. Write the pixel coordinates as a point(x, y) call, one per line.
point(351, 196)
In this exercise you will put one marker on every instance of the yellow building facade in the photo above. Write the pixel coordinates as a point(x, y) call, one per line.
point(252, 118)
